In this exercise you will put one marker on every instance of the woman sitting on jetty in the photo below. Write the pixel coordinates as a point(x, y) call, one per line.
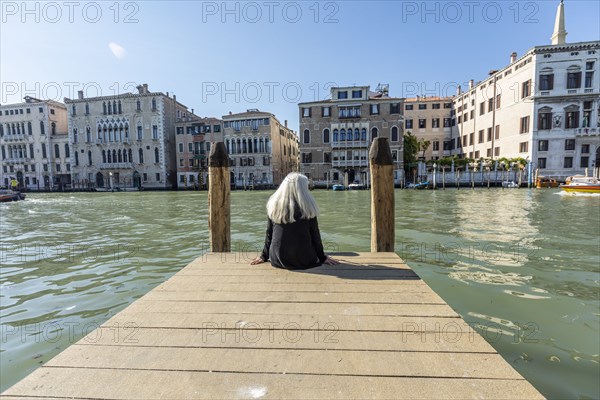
point(293, 240)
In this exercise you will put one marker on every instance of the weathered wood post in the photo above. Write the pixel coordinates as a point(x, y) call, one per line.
point(382, 196)
point(219, 202)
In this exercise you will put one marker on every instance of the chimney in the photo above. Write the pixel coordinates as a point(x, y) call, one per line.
point(471, 82)
point(458, 90)
point(513, 57)
point(146, 88)
point(167, 94)
point(192, 110)
point(230, 112)
point(285, 123)
point(174, 98)
point(80, 94)
point(140, 89)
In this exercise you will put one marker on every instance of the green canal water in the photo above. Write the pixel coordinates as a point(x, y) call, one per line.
point(520, 266)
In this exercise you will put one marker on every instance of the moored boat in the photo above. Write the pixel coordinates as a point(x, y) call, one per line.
point(581, 184)
point(545, 182)
point(338, 187)
point(356, 186)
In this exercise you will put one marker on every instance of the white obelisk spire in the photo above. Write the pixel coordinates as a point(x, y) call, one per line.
point(560, 34)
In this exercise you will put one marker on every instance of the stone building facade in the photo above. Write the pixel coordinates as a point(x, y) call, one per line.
point(262, 150)
point(431, 119)
point(34, 144)
point(543, 107)
point(124, 142)
point(336, 134)
point(194, 136)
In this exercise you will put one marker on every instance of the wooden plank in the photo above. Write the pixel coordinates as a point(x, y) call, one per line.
point(389, 269)
point(358, 278)
point(319, 337)
point(274, 308)
point(289, 361)
point(185, 285)
point(299, 321)
point(410, 297)
point(177, 385)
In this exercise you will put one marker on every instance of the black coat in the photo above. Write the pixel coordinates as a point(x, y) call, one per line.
point(294, 246)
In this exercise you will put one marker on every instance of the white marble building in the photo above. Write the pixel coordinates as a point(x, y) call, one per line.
point(125, 141)
point(34, 145)
point(543, 107)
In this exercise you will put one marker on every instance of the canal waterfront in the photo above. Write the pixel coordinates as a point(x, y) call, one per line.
point(520, 266)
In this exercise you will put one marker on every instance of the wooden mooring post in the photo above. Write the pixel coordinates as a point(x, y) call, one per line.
point(382, 196)
point(219, 201)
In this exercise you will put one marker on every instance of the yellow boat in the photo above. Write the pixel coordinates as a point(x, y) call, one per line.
point(581, 184)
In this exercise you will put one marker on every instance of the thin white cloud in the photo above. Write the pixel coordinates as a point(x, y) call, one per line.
point(118, 50)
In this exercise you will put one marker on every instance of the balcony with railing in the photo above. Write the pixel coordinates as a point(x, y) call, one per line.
point(587, 131)
point(350, 163)
point(350, 144)
point(118, 165)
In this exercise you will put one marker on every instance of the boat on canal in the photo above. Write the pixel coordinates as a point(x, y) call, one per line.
point(338, 187)
point(7, 195)
point(356, 185)
point(545, 182)
point(581, 184)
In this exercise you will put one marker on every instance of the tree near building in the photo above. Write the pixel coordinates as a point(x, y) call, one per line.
point(411, 148)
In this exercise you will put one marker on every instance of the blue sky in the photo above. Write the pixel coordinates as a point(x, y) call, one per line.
point(219, 57)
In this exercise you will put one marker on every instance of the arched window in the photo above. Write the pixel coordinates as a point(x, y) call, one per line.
point(56, 151)
point(250, 148)
point(120, 132)
point(227, 144)
point(140, 133)
point(153, 104)
point(18, 129)
point(356, 134)
point(342, 135)
point(126, 130)
point(53, 126)
point(335, 135)
point(73, 110)
point(104, 107)
point(244, 146)
point(103, 156)
point(109, 108)
point(114, 152)
point(374, 133)
point(90, 157)
point(67, 152)
point(74, 135)
point(87, 108)
point(114, 107)
point(306, 136)
point(119, 156)
point(267, 146)
point(141, 155)
point(138, 105)
point(76, 158)
point(29, 129)
point(394, 134)
point(88, 134)
point(130, 155)
point(255, 145)
point(120, 109)
point(363, 134)
point(325, 135)
point(156, 155)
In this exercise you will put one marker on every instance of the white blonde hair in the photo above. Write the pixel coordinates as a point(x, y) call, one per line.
point(292, 195)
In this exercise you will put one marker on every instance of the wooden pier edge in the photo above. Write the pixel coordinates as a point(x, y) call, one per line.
point(220, 328)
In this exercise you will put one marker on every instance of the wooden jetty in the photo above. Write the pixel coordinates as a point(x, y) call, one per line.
point(367, 328)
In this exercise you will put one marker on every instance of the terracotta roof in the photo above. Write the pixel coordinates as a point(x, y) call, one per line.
point(432, 98)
